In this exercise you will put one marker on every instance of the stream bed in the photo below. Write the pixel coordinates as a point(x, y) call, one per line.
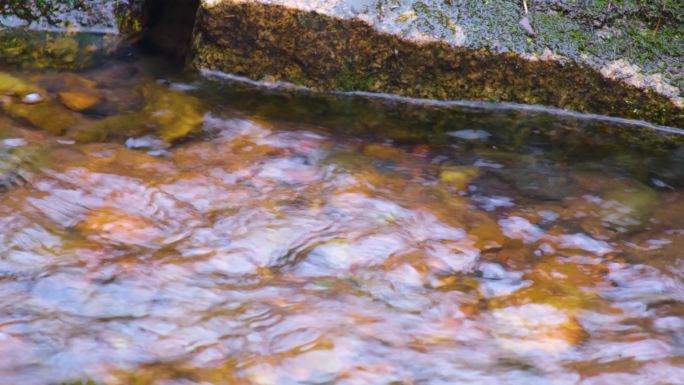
point(164, 227)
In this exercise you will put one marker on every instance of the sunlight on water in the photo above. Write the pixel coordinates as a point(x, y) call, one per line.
point(177, 230)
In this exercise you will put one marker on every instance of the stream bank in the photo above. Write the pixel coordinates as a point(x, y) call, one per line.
point(619, 60)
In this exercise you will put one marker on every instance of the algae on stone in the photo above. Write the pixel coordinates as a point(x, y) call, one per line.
point(45, 114)
point(13, 86)
point(48, 116)
point(343, 46)
point(169, 114)
point(47, 49)
point(175, 114)
point(458, 176)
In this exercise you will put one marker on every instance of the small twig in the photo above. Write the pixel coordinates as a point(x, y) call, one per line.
point(525, 6)
point(660, 19)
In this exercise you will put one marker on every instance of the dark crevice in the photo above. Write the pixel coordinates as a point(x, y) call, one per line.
point(168, 26)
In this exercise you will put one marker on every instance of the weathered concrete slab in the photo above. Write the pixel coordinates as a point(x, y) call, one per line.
point(428, 49)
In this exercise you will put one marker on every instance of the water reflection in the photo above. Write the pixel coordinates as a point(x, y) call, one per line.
point(292, 249)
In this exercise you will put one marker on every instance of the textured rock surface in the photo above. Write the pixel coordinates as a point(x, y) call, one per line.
point(95, 16)
point(91, 15)
point(434, 49)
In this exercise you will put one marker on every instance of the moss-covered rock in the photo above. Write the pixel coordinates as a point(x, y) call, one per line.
point(433, 49)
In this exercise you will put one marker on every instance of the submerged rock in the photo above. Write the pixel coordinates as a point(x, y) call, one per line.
point(458, 176)
point(629, 207)
point(49, 49)
point(48, 116)
point(536, 328)
point(169, 114)
point(78, 101)
point(542, 183)
point(543, 315)
point(621, 204)
point(22, 152)
point(63, 48)
point(63, 81)
point(28, 102)
point(13, 86)
point(533, 177)
point(470, 134)
point(175, 114)
point(380, 151)
point(73, 106)
point(118, 227)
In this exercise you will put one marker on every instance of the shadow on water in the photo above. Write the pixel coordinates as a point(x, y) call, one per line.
point(555, 134)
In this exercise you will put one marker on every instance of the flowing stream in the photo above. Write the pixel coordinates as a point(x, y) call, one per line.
point(164, 227)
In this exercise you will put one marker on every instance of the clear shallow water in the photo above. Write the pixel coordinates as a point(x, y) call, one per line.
point(303, 239)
